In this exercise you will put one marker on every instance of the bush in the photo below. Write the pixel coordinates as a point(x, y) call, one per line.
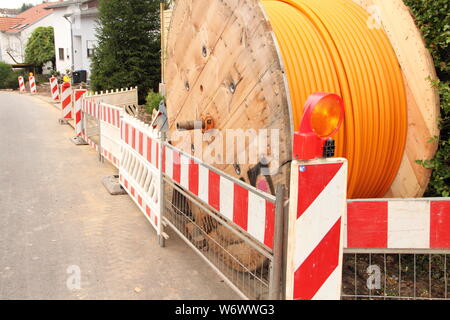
point(433, 19)
point(40, 46)
point(153, 99)
point(8, 78)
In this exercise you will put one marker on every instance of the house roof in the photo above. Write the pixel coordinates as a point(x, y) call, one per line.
point(7, 22)
point(26, 18)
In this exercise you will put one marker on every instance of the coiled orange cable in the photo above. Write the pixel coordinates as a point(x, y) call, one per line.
point(327, 45)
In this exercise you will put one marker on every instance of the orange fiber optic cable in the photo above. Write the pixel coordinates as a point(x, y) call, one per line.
point(327, 45)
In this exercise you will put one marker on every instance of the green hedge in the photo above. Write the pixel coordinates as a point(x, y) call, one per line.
point(8, 78)
point(433, 19)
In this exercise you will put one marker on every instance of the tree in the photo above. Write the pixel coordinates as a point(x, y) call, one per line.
point(25, 7)
point(40, 47)
point(128, 48)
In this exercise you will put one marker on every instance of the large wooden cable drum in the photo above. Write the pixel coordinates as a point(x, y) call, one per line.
point(252, 64)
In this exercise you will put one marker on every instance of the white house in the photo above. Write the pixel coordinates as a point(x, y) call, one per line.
point(75, 38)
point(15, 31)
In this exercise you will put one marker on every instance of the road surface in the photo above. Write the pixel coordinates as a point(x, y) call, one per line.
point(62, 236)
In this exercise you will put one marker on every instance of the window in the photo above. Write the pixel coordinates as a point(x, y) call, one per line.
point(90, 48)
point(61, 54)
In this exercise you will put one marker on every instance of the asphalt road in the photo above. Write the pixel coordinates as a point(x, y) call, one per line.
point(62, 236)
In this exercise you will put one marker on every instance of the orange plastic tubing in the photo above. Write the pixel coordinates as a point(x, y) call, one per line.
point(328, 45)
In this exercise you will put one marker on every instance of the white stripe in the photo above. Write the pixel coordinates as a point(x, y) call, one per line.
point(138, 144)
point(145, 146)
point(331, 288)
point(409, 224)
point(226, 198)
point(256, 216)
point(130, 134)
point(169, 162)
point(184, 171)
point(320, 217)
point(203, 183)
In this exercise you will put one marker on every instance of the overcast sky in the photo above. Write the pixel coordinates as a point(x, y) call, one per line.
point(16, 3)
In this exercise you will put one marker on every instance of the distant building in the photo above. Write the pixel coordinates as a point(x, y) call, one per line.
point(15, 32)
point(75, 35)
point(6, 12)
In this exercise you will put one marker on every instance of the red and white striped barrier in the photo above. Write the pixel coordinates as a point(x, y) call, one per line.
point(77, 109)
point(92, 109)
point(32, 82)
point(239, 203)
point(139, 174)
point(110, 117)
point(66, 100)
point(315, 237)
point(21, 84)
point(54, 89)
point(398, 224)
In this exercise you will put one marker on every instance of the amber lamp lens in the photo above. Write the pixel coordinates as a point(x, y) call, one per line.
point(326, 117)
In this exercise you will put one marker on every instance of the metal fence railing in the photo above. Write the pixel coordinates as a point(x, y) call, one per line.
point(243, 264)
point(389, 275)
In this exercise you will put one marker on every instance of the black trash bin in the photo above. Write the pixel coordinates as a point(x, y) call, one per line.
point(79, 76)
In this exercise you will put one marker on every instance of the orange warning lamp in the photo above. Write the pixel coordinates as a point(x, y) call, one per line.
point(322, 119)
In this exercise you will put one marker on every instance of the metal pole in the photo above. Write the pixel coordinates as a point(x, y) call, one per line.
point(162, 200)
point(277, 263)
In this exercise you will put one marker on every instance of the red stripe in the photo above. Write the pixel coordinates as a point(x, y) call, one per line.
point(193, 177)
point(141, 143)
point(319, 265)
point(156, 220)
point(132, 191)
point(314, 179)
point(126, 133)
point(270, 224)
point(367, 224)
point(79, 94)
point(440, 225)
point(109, 116)
point(140, 200)
point(176, 166)
point(125, 183)
point(214, 190)
point(240, 207)
point(148, 211)
point(66, 102)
